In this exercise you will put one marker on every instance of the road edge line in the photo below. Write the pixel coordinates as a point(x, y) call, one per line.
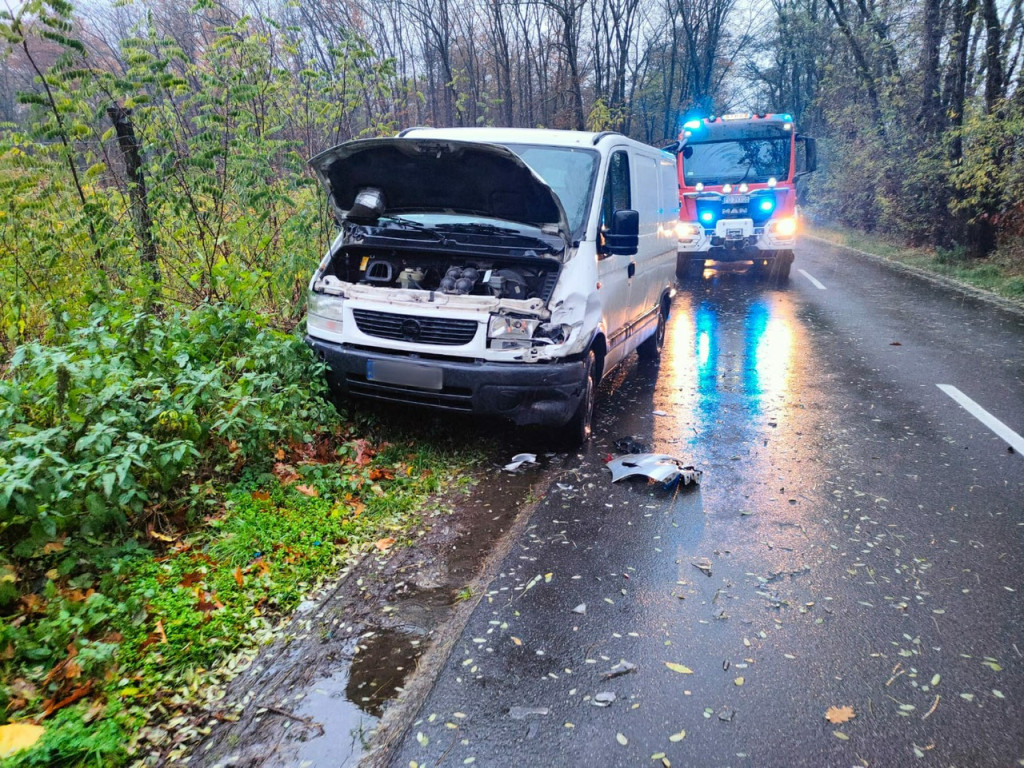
point(1000, 429)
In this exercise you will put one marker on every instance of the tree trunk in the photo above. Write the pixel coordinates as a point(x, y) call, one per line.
point(121, 118)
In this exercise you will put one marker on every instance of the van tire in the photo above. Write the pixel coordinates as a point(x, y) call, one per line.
point(580, 426)
point(650, 348)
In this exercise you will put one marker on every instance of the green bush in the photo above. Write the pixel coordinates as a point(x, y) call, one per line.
point(131, 410)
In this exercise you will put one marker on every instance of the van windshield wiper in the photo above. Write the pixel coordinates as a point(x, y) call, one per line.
point(410, 223)
point(477, 227)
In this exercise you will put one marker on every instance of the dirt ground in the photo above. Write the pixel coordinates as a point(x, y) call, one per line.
point(343, 678)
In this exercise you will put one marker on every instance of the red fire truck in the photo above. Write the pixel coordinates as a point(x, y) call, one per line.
point(737, 191)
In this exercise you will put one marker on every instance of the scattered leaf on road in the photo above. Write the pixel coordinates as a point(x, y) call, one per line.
point(621, 739)
point(677, 736)
point(683, 670)
point(384, 544)
point(838, 715)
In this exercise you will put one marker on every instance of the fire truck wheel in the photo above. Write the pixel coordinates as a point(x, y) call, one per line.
point(689, 267)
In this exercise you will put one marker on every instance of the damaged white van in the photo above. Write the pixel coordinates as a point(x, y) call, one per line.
point(493, 271)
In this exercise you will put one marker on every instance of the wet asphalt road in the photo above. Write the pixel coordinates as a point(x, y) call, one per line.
point(859, 535)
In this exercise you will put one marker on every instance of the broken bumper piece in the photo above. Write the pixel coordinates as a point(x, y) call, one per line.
point(657, 466)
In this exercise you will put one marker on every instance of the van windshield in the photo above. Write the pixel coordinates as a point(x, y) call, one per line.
point(571, 172)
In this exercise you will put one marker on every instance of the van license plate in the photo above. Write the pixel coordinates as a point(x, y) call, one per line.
point(404, 374)
point(736, 199)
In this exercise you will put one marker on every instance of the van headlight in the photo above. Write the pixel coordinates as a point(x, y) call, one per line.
point(509, 332)
point(324, 313)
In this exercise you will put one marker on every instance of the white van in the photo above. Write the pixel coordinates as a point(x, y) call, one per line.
point(493, 271)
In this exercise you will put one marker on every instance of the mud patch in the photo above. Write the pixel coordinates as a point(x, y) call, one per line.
point(320, 694)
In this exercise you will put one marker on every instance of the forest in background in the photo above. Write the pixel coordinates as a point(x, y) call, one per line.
point(204, 193)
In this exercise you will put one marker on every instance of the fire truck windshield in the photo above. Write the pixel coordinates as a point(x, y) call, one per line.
point(732, 162)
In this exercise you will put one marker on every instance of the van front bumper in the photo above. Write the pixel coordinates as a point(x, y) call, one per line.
point(527, 394)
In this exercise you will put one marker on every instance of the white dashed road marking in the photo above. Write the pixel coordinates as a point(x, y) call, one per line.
point(813, 280)
point(1011, 438)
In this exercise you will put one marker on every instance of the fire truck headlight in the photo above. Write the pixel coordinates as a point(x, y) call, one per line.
point(686, 229)
point(772, 181)
point(744, 187)
point(700, 186)
point(727, 188)
point(785, 227)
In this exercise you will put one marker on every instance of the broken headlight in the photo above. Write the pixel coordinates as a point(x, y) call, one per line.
point(509, 332)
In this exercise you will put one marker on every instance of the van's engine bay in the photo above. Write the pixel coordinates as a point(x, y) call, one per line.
point(507, 277)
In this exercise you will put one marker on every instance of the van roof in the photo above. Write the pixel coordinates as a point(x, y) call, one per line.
point(547, 136)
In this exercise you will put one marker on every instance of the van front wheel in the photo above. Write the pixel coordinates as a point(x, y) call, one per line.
point(580, 426)
point(650, 348)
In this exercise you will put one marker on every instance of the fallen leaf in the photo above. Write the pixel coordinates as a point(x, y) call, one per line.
point(53, 546)
point(621, 739)
point(838, 715)
point(683, 670)
point(739, 681)
point(307, 490)
point(238, 575)
point(384, 544)
point(677, 737)
point(516, 640)
point(15, 737)
point(279, 455)
point(840, 735)
point(260, 496)
point(622, 668)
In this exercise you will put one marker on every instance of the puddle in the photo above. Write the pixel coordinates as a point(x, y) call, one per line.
point(346, 727)
point(380, 667)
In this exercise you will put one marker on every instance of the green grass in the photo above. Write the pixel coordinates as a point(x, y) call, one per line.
point(122, 613)
point(1001, 273)
point(167, 621)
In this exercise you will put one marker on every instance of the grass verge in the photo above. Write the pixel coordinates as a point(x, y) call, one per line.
point(165, 504)
point(1002, 273)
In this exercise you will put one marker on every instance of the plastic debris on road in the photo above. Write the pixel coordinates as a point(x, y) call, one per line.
point(657, 466)
point(519, 460)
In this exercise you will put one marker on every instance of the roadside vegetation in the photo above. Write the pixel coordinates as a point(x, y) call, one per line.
point(172, 487)
point(1001, 273)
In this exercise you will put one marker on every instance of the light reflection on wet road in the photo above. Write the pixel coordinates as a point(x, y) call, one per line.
point(863, 539)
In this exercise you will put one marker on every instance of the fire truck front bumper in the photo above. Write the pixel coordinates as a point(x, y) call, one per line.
point(733, 239)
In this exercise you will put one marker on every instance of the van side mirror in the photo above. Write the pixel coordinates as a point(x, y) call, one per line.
point(623, 238)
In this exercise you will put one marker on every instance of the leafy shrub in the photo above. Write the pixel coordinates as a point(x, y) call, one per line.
point(131, 410)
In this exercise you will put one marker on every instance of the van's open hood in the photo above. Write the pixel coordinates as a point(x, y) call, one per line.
point(441, 176)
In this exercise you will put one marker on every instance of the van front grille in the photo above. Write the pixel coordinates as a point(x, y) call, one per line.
point(426, 330)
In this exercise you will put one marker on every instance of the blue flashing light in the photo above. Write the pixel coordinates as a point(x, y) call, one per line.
point(707, 217)
point(767, 205)
point(692, 124)
point(787, 117)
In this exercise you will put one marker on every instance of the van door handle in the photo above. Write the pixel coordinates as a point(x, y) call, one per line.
point(631, 269)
